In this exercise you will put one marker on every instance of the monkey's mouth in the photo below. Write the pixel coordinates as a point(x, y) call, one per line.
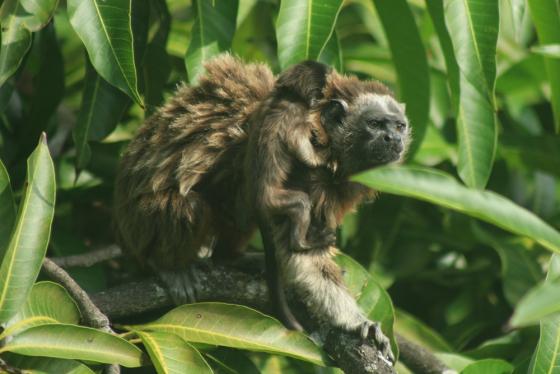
point(384, 155)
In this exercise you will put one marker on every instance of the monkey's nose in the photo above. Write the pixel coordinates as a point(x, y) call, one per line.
point(394, 141)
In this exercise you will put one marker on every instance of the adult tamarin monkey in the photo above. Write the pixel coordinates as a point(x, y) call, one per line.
point(243, 150)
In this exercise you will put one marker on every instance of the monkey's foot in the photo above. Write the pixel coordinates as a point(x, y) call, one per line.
point(316, 239)
point(372, 330)
point(180, 284)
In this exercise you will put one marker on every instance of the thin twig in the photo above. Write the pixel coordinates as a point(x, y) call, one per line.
point(90, 258)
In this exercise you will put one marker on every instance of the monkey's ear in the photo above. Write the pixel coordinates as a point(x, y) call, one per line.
point(334, 111)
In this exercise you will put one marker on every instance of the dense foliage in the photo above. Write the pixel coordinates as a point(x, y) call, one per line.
point(461, 236)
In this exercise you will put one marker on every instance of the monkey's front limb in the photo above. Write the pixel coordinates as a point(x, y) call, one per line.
point(316, 280)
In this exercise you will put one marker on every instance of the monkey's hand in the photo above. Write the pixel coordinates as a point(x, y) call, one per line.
point(316, 239)
point(372, 330)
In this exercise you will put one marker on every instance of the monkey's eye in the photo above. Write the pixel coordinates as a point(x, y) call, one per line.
point(401, 126)
point(374, 122)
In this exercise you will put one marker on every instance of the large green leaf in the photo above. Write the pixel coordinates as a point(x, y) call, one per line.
point(31, 233)
point(7, 210)
point(547, 354)
point(473, 27)
point(235, 326)
point(16, 38)
point(409, 57)
point(212, 33)
point(47, 303)
point(105, 29)
point(102, 107)
point(39, 13)
point(546, 16)
point(46, 365)
point(488, 366)
point(170, 354)
point(435, 9)
point(442, 189)
point(371, 297)
point(414, 330)
point(303, 28)
point(332, 53)
point(74, 342)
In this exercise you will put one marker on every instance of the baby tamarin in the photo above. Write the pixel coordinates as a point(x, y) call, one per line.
point(217, 161)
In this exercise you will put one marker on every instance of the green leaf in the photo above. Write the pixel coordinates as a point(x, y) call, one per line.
point(520, 270)
point(546, 16)
point(473, 27)
point(30, 236)
point(542, 301)
point(409, 57)
point(303, 29)
point(102, 108)
point(16, 38)
point(45, 365)
point(439, 188)
point(74, 342)
point(332, 53)
point(435, 9)
point(39, 13)
point(7, 210)
point(548, 50)
point(371, 297)
point(414, 330)
point(105, 29)
point(47, 303)
point(171, 354)
point(235, 326)
point(546, 357)
point(212, 33)
point(488, 366)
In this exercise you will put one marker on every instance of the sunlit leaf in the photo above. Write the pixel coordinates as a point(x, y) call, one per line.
point(105, 29)
point(547, 354)
point(171, 354)
point(47, 303)
point(409, 57)
point(39, 13)
point(212, 33)
point(414, 330)
point(234, 326)
point(442, 189)
point(46, 365)
point(74, 342)
point(30, 236)
point(303, 28)
point(488, 366)
point(546, 16)
point(16, 38)
point(548, 50)
point(102, 107)
point(473, 28)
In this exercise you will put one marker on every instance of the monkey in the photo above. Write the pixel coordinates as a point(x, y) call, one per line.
point(186, 184)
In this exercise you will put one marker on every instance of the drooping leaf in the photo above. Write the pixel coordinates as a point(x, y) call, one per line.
point(442, 189)
point(488, 366)
point(371, 297)
point(409, 57)
point(234, 326)
point(546, 16)
point(303, 29)
point(332, 53)
point(414, 330)
point(231, 361)
point(212, 33)
point(48, 302)
point(74, 342)
point(171, 354)
point(105, 29)
point(473, 28)
point(102, 107)
point(7, 210)
point(435, 9)
point(39, 13)
point(30, 236)
point(46, 365)
point(547, 354)
point(16, 38)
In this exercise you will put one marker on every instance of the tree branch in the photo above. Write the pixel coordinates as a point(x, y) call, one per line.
point(226, 284)
point(90, 258)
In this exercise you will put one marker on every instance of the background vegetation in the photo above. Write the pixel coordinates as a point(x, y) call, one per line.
point(462, 240)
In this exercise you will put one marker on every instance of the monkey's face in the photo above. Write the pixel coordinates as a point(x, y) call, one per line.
point(371, 131)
